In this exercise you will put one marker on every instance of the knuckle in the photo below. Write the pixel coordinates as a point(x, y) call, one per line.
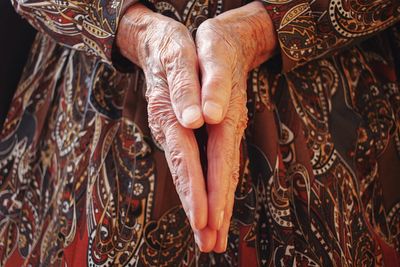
point(165, 53)
point(173, 51)
point(179, 176)
point(157, 134)
point(227, 157)
point(238, 102)
point(231, 120)
point(181, 186)
point(177, 43)
point(177, 160)
point(237, 120)
point(160, 114)
point(181, 90)
point(238, 96)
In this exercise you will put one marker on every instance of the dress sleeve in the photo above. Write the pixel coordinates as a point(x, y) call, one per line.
point(309, 29)
point(87, 25)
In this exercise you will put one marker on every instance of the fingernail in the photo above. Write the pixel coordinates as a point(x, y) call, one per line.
point(213, 110)
point(191, 114)
point(220, 220)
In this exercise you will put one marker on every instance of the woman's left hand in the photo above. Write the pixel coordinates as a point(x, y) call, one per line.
point(228, 47)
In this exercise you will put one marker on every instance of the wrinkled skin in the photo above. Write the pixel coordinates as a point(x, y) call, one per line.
point(227, 48)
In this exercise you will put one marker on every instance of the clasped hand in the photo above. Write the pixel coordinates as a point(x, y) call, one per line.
point(226, 48)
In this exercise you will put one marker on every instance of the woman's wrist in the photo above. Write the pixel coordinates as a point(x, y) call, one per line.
point(268, 39)
point(254, 30)
point(261, 29)
point(131, 29)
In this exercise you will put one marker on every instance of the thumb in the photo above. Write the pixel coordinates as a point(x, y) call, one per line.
point(216, 66)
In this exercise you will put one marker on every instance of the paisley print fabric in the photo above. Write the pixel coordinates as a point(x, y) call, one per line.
point(82, 182)
point(84, 25)
point(311, 29)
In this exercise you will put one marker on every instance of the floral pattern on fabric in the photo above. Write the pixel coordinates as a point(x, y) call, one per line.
point(83, 25)
point(311, 29)
point(82, 183)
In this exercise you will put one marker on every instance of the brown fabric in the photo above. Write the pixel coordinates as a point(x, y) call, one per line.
point(311, 29)
point(83, 183)
point(82, 25)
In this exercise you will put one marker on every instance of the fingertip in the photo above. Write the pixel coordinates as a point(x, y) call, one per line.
point(216, 209)
point(213, 112)
point(217, 186)
point(206, 248)
point(205, 239)
point(198, 203)
point(221, 248)
point(221, 242)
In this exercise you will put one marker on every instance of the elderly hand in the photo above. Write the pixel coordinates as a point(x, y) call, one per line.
point(228, 47)
point(166, 52)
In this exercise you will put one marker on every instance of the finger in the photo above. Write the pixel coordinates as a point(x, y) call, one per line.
point(223, 233)
point(216, 70)
point(220, 156)
point(205, 239)
point(222, 236)
point(181, 153)
point(221, 148)
point(184, 162)
point(183, 80)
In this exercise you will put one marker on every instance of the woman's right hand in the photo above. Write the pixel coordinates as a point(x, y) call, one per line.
point(166, 52)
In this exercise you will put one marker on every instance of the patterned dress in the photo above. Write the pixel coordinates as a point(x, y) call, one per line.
point(82, 183)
